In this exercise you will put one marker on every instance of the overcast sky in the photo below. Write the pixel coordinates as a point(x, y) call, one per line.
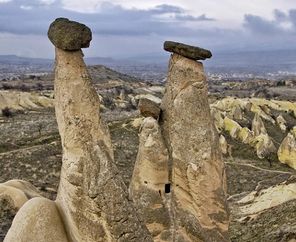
point(123, 28)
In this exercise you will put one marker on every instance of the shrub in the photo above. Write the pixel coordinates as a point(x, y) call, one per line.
point(6, 86)
point(39, 86)
point(6, 112)
point(24, 88)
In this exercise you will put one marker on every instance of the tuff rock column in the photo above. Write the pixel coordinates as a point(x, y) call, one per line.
point(92, 197)
point(150, 176)
point(197, 170)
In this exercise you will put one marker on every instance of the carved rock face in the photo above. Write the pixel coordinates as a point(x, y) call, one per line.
point(69, 35)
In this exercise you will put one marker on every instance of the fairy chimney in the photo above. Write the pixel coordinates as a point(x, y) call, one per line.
point(197, 172)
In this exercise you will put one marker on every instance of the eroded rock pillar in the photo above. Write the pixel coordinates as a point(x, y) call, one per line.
point(92, 197)
point(197, 170)
point(150, 185)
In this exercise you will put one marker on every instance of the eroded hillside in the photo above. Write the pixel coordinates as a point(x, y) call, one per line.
point(261, 189)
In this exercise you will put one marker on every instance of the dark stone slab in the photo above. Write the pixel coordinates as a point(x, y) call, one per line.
point(148, 108)
point(191, 52)
point(69, 35)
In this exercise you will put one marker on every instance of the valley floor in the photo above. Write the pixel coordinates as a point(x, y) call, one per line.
point(30, 149)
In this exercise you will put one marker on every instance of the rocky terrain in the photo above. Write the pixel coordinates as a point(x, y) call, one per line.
point(257, 138)
point(31, 150)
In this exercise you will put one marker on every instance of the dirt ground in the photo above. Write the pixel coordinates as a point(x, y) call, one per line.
point(30, 149)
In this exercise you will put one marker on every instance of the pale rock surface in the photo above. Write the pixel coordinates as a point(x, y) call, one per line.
point(15, 197)
point(223, 144)
point(17, 192)
point(24, 100)
point(148, 96)
point(137, 122)
point(25, 186)
point(198, 174)
point(237, 113)
point(232, 127)
point(265, 108)
point(92, 197)
point(255, 108)
point(245, 135)
point(256, 202)
point(264, 145)
point(218, 119)
point(282, 123)
point(38, 220)
point(150, 175)
point(287, 150)
point(256, 105)
point(258, 125)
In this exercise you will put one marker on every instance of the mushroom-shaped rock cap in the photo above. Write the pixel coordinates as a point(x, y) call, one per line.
point(69, 35)
point(191, 52)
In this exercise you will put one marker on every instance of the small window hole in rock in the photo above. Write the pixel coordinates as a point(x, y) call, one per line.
point(167, 188)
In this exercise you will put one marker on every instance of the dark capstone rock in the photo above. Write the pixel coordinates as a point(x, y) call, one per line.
point(191, 52)
point(148, 108)
point(69, 35)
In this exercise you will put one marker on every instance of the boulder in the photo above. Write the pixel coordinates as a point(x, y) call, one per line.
point(17, 192)
point(26, 187)
point(191, 52)
point(149, 108)
point(287, 150)
point(15, 197)
point(69, 35)
point(38, 220)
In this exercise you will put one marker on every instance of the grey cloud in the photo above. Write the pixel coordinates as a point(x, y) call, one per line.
point(292, 17)
point(168, 8)
point(202, 17)
point(260, 25)
point(279, 15)
point(111, 20)
point(142, 31)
